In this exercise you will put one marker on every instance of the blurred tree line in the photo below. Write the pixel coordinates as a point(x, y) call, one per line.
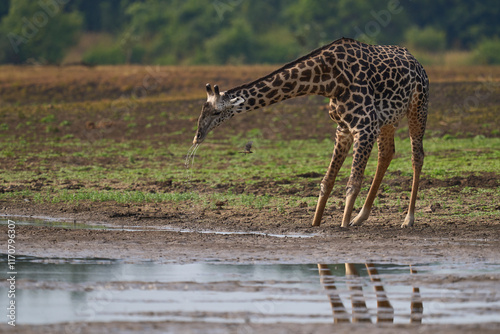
point(240, 31)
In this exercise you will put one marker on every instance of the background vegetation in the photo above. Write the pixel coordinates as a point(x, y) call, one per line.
point(177, 32)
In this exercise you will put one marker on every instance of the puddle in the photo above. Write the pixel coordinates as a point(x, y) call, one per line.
point(48, 222)
point(60, 223)
point(55, 290)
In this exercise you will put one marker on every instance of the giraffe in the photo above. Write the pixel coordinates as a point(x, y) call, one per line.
point(370, 87)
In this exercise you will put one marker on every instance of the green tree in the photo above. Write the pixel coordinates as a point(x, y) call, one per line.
point(235, 44)
point(319, 22)
point(464, 22)
point(101, 16)
point(174, 32)
point(219, 31)
point(41, 31)
point(4, 8)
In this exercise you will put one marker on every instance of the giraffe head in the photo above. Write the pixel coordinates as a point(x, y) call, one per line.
point(218, 108)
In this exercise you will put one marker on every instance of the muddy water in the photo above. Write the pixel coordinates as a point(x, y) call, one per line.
point(52, 290)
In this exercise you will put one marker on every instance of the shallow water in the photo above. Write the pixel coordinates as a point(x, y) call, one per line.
point(60, 223)
point(52, 290)
point(49, 222)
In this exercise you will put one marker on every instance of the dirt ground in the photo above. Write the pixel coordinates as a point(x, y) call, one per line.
point(379, 239)
point(436, 237)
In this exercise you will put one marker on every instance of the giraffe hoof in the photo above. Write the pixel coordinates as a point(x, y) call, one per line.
point(360, 218)
point(356, 223)
point(408, 222)
point(316, 222)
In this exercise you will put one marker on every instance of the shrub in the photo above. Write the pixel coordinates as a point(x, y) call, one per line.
point(235, 45)
point(487, 52)
point(105, 55)
point(427, 39)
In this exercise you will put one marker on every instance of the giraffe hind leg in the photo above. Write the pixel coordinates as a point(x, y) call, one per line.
point(385, 143)
point(417, 118)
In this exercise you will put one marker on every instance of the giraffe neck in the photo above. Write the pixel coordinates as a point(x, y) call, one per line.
point(313, 75)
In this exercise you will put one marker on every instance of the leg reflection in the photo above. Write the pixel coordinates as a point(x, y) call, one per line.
point(417, 307)
point(359, 309)
point(360, 313)
point(385, 311)
point(338, 309)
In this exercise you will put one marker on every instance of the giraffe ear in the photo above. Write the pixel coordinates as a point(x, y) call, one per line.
point(209, 90)
point(237, 101)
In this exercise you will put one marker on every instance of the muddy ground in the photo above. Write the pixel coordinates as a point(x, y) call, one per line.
point(438, 236)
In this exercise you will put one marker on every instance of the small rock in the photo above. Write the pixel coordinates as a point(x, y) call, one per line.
point(220, 204)
point(432, 208)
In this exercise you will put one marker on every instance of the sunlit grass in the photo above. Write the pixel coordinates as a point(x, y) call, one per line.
point(222, 163)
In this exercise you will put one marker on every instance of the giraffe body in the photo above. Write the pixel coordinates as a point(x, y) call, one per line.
point(371, 88)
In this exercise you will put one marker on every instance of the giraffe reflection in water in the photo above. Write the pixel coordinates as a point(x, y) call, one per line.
point(360, 312)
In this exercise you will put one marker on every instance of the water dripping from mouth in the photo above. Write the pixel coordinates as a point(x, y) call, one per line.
point(189, 162)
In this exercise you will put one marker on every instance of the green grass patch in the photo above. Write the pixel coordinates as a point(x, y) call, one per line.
point(221, 162)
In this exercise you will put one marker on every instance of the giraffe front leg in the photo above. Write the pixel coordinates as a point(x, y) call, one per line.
point(342, 145)
point(386, 148)
point(363, 144)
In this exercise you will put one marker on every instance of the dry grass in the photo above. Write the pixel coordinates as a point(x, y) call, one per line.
point(48, 84)
point(463, 73)
point(32, 84)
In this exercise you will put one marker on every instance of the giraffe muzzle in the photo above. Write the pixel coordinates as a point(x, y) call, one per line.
point(198, 138)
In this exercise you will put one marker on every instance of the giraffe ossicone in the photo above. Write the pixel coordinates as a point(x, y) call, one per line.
point(370, 87)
